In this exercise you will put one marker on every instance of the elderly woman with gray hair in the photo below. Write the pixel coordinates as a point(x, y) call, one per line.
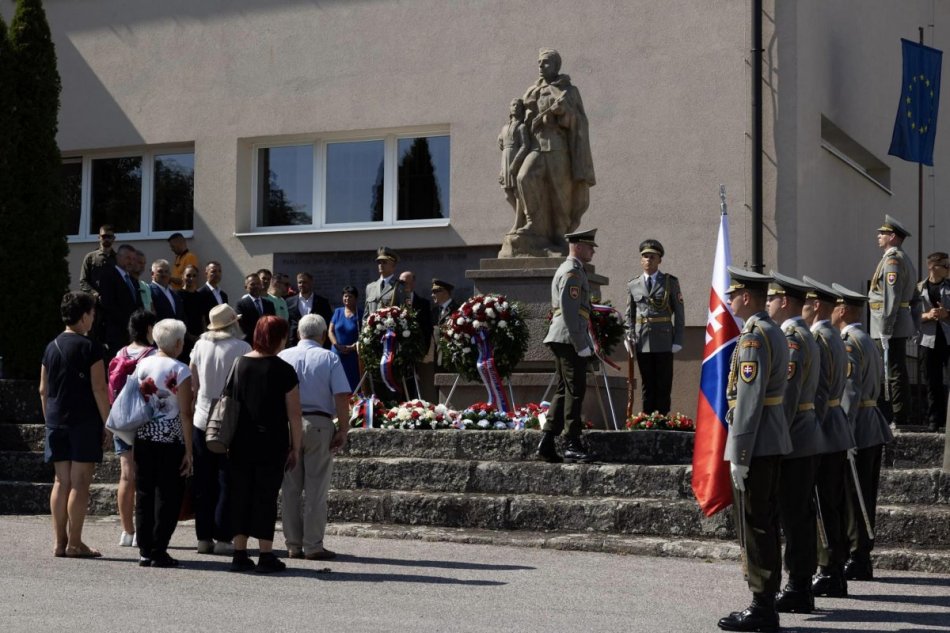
point(163, 445)
point(211, 360)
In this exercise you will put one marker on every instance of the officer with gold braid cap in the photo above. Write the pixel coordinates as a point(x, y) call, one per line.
point(758, 438)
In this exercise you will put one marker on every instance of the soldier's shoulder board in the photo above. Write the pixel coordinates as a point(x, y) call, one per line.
point(750, 342)
point(893, 261)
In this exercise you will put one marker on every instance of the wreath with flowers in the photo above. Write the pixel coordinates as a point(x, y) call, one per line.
point(407, 341)
point(489, 317)
point(418, 414)
point(607, 325)
point(657, 421)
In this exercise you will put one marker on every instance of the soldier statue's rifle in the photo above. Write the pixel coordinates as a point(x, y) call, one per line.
point(537, 118)
point(860, 493)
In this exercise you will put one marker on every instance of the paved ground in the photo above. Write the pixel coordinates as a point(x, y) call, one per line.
point(387, 585)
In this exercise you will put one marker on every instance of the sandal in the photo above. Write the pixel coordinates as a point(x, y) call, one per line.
point(81, 551)
point(59, 552)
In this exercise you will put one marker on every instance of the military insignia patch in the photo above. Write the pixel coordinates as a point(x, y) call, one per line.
point(575, 292)
point(791, 370)
point(748, 369)
point(793, 345)
point(848, 348)
point(891, 279)
point(750, 343)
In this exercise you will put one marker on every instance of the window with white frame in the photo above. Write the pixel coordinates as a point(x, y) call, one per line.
point(339, 183)
point(142, 193)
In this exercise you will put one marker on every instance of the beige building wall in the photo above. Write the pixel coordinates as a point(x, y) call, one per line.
point(665, 86)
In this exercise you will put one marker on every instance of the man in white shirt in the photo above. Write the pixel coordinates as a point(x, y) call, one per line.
point(324, 392)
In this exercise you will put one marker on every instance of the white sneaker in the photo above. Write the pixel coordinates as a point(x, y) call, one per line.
point(223, 548)
point(135, 540)
point(126, 540)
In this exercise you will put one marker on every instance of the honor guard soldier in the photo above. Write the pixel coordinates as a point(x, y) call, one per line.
point(787, 297)
point(891, 298)
point(870, 428)
point(387, 290)
point(758, 438)
point(832, 467)
point(569, 340)
point(654, 323)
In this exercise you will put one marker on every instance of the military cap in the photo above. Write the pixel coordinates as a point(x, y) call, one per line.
point(818, 290)
point(438, 284)
point(785, 285)
point(651, 246)
point(849, 297)
point(582, 237)
point(743, 279)
point(891, 225)
point(384, 252)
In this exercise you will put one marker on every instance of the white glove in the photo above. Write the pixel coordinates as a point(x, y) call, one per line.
point(630, 345)
point(676, 348)
point(885, 340)
point(739, 473)
point(585, 353)
point(852, 452)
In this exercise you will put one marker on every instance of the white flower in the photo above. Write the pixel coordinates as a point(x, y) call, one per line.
point(466, 350)
point(503, 306)
point(405, 333)
point(389, 322)
point(456, 336)
point(379, 328)
point(430, 415)
point(403, 414)
point(476, 307)
point(476, 324)
point(501, 426)
point(490, 313)
point(460, 321)
point(440, 409)
point(503, 324)
point(484, 424)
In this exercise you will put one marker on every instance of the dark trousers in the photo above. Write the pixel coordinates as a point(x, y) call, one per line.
point(158, 493)
point(656, 374)
point(868, 464)
point(254, 489)
point(763, 547)
point(570, 371)
point(933, 362)
point(832, 499)
point(899, 383)
point(212, 497)
point(797, 514)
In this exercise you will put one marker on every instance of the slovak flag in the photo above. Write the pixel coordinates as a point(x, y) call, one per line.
point(711, 481)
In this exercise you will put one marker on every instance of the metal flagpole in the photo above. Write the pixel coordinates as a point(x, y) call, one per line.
point(452, 390)
point(544, 398)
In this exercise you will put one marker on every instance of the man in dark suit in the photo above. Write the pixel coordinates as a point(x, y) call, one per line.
point(166, 303)
point(425, 371)
point(118, 298)
point(253, 306)
point(210, 293)
point(443, 305)
point(305, 302)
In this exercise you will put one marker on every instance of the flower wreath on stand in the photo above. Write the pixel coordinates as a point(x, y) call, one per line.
point(392, 342)
point(607, 329)
point(418, 414)
point(484, 340)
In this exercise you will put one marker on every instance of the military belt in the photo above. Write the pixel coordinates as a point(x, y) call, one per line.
point(771, 401)
point(834, 403)
point(585, 314)
point(867, 404)
point(877, 305)
point(665, 319)
point(806, 406)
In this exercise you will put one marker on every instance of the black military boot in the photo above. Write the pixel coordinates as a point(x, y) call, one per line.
point(760, 616)
point(574, 451)
point(859, 567)
point(830, 582)
point(795, 598)
point(546, 449)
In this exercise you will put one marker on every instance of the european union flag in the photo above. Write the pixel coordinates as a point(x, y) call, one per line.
point(916, 126)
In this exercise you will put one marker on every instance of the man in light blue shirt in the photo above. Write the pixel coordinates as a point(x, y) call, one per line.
point(324, 392)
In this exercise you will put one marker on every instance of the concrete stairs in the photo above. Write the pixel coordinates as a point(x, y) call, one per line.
point(482, 486)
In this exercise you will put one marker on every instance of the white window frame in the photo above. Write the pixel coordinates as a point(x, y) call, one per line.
point(86, 232)
point(319, 143)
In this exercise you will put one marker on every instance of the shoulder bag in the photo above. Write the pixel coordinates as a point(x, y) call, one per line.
point(223, 419)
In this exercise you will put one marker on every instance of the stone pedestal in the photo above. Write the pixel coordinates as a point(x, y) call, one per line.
point(530, 387)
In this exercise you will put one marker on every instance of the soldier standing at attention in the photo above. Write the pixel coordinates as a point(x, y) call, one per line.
point(654, 324)
point(387, 290)
point(892, 293)
point(569, 340)
point(833, 467)
point(758, 438)
point(797, 482)
point(871, 430)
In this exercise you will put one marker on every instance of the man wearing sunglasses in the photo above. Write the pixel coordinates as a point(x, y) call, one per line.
point(103, 258)
point(934, 294)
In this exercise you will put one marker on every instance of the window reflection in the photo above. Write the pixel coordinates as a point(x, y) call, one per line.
point(72, 194)
point(285, 194)
point(423, 178)
point(174, 186)
point(117, 193)
point(355, 182)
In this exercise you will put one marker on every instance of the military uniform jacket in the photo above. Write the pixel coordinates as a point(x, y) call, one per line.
point(757, 380)
point(381, 297)
point(656, 317)
point(865, 373)
point(928, 329)
point(892, 295)
point(570, 300)
point(834, 373)
point(803, 374)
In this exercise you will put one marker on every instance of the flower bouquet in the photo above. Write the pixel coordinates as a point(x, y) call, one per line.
point(358, 410)
point(657, 421)
point(529, 416)
point(607, 326)
point(485, 417)
point(418, 414)
point(392, 342)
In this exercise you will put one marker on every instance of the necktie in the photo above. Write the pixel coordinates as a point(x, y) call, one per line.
point(649, 285)
point(260, 308)
point(132, 288)
point(382, 285)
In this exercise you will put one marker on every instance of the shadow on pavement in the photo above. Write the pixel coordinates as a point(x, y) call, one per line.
point(857, 616)
point(444, 564)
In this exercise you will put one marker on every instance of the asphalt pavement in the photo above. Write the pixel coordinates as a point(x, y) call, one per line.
point(378, 585)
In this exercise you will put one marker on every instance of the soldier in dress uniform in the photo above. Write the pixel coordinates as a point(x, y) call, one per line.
point(797, 483)
point(832, 468)
point(892, 297)
point(654, 324)
point(569, 340)
point(870, 428)
point(387, 290)
point(758, 438)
